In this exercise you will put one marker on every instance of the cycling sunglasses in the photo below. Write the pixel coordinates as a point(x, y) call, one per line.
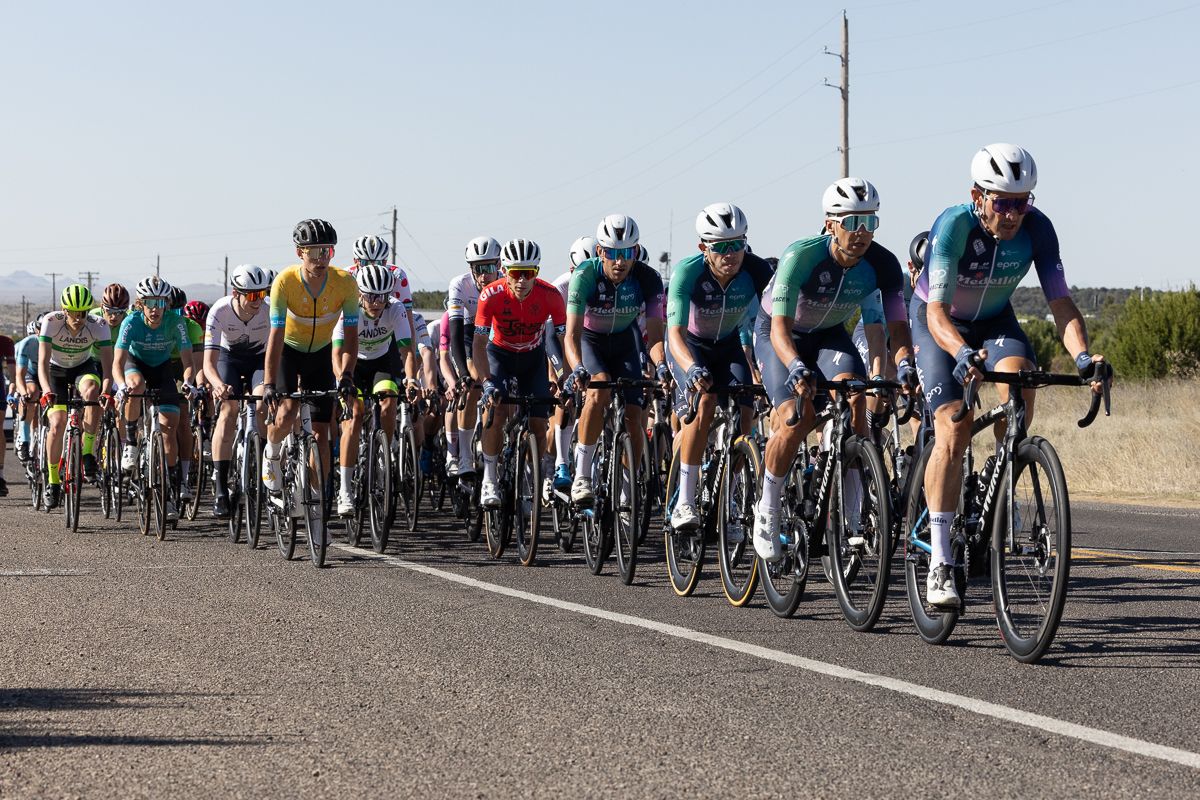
point(252, 296)
point(728, 246)
point(318, 251)
point(484, 267)
point(618, 253)
point(522, 273)
point(372, 297)
point(856, 222)
point(117, 310)
point(1011, 205)
point(154, 302)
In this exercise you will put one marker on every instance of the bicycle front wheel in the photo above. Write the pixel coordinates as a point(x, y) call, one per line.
point(1031, 550)
point(73, 480)
point(379, 489)
point(160, 484)
point(253, 492)
point(784, 581)
point(311, 475)
point(196, 476)
point(739, 488)
point(527, 500)
point(934, 625)
point(410, 480)
point(859, 535)
point(623, 495)
point(685, 550)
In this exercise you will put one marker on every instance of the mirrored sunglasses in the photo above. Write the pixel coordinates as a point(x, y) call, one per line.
point(856, 222)
point(728, 246)
point(1011, 205)
point(522, 273)
point(619, 253)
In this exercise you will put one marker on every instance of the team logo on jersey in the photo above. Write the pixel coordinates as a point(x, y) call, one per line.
point(980, 247)
point(824, 277)
point(939, 274)
point(708, 287)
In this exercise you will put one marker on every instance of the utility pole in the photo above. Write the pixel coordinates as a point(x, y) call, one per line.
point(157, 266)
point(54, 276)
point(844, 88)
point(395, 223)
point(24, 311)
point(226, 274)
point(89, 276)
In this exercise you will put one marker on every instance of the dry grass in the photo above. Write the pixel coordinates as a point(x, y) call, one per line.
point(1147, 451)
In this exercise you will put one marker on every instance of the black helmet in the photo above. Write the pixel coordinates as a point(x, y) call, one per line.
point(916, 249)
point(178, 298)
point(310, 232)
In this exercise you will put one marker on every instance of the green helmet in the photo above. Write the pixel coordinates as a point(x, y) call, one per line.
point(77, 297)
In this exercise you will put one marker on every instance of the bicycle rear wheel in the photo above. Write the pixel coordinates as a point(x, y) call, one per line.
point(859, 535)
point(685, 551)
point(527, 500)
point(784, 581)
point(623, 495)
point(409, 481)
point(160, 484)
point(237, 512)
point(1031, 563)
point(379, 488)
point(934, 625)
point(196, 476)
point(738, 486)
point(311, 474)
point(103, 455)
point(596, 522)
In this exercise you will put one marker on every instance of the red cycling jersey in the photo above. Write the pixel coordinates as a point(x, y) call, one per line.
point(517, 325)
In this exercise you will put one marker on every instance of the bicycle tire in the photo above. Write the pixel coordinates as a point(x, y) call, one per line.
point(933, 626)
point(379, 488)
point(410, 453)
point(102, 482)
point(469, 501)
point(37, 472)
point(233, 490)
point(140, 487)
point(595, 522)
point(160, 483)
point(114, 475)
point(623, 496)
point(685, 551)
point(527, 500)
point(312, 495)
point(645, 492)
point(71, 480)
point(784, 581)
point(196, 476)
point(254, 494)
point(739, 487)
point(1017, 563)
point(860, 564)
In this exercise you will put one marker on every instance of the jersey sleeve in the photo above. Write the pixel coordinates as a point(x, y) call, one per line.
point(872, 309)
point(652, 291)
point(558, 309)
point(339, 332)
point(279, 300)
point(947, 240)
point(760, 272)
point(1046, 256)
point(125, 333)
point(44, 333)
point(484, 313)
point(679, 296)
point(403, 290)
point(795, 267)
point(444, 333)
point(457, 302)
point(349, 302)
point(212, 337)
point(889, 283)
point(101, 332)
point(583, 282)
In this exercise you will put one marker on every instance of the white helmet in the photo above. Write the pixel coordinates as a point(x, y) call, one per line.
point(1004, 167)
point(482, 248)
point(582, 249)
point(371, 248)
point(32, 328)
point(153, 286)
point(643, 255)
point(521, 253)
point(272, 274)
point(617, 230)
point(375, 279)
point(721, 221)
point(850, 196)
point(249, 278)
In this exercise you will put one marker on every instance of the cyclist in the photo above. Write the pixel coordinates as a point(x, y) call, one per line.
point(64, 359)
point(820, 284)
point(710, 294)
point(582, 249)
point(142, 355)
point(235, 344)
point(307, 300)
point(961, 317)
point(26, 385)
point(384, 358)
point(375, 250)
point(608, 292)
point(426, 423)
point(483, 258)
point(176, 310)
point(509, 347)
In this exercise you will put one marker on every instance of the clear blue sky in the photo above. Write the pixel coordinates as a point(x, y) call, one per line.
point(198, 130)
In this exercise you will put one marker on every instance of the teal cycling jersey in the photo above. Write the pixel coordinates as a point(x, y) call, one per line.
point(27, 355)
point(976, 275)
point(818, 293)
point(609, 308)
point(711, 313)
point(152, 346)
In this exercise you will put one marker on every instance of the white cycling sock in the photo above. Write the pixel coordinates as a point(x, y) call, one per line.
point(452, 442)
point(852, 481)
point(689, 477)
point(562, 445)
point(489, 468)
point(272, 450)
point(939, 537)
point(583, 458)
point(347, 478)
point(772, 490)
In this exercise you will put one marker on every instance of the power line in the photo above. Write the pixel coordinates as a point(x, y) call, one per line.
point(1007, 18)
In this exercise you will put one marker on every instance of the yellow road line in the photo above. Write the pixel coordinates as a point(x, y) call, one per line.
point(1143, 563)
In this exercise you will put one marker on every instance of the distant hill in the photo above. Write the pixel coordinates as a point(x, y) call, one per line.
point(1028, 301)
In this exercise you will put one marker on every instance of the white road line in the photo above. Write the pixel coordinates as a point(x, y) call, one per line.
point(1039, 722)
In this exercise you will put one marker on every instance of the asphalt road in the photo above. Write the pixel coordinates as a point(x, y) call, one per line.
point(194, 667)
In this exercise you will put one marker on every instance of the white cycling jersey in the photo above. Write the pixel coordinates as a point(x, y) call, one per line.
point(402, 291)
point(68, 349)
point(225, 330)
point(563, 284)
point(375, 336)
point(435, 335)
point(464, 298)
point(423, 333)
